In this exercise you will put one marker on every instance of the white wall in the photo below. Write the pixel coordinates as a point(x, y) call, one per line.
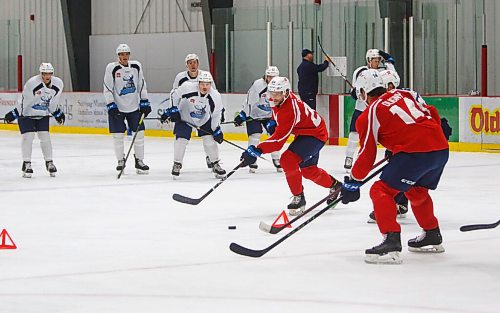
point(161, 55)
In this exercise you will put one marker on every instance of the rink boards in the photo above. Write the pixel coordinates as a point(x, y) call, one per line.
point(475, 120)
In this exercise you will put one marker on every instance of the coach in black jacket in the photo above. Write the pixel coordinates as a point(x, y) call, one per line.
point(308, 78)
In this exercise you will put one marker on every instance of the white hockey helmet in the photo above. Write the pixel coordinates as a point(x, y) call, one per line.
point(279, 83)
point(272, 71)
point(122, 48)
point(46, 68)
point(371, 53)
point(190, 57)
point(205, 77)
point(368, 80)
point(389, 76)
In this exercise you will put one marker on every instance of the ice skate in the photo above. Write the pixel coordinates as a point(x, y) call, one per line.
point(176, 169)
point(427, 242)
point(27, 170)
point(51, 168)
point(402, 210)
point(388, 252)
point(140, 167)
point(334, 190)
point(218, 171)
point(296, 207)
point(348, 164)
point(209, 164)
point(253, 168)
point(121, 165)
point(277, 165)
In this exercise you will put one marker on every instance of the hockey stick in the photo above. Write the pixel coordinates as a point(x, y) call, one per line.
point(195, 201)
point(247, 120)
point(334, 65)
point(151, 118)
point(236, 248)
point(274, 230)
point(479, 226)
point(131, 145)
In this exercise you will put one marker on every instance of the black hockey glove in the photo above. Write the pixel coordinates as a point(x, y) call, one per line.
point(171, 114)
point(350, 190)
point(218, 135)
point(11, 116)
point(59, 116)
point(240, 118)
point(447, 130)
point(113, 110)
point(250, 155)
point(271, 127)
point(386, 56)
point(145, 107)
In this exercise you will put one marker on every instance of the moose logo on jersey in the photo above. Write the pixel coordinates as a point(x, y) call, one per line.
point(199, 112)
point(129, 86)
point(44, 104)
point(264, 103)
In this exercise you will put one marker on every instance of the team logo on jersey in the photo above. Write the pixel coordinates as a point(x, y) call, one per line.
point(129, 85)
point(199, 111)
point(192, 100)
point(264, 103)
point(39, 92)
point(118, 75)
point(44, 104)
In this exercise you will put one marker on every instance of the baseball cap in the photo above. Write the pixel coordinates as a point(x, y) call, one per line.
point(306, 52)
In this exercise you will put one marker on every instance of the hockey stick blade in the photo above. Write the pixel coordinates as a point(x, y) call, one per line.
point(180, 198)
point(236, 248)
point(479, 226)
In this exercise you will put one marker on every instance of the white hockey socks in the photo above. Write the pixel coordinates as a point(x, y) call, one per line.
point(352, 144)
point(139, 145)
point(254, 139)
point(211, 148)
point(46, 145)
point(180, 145)
point(27, 145)
point(118, 145)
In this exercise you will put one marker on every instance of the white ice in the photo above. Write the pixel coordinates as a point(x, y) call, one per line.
point(88, 242)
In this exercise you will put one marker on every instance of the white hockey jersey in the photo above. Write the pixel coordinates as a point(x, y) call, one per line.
point(183, 77)
point(361, 105)
point(257, 105)
point(38, 99)
point(125, 85)
point(195, 108)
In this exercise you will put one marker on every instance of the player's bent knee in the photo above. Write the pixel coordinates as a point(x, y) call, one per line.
point(289, 161)
point(380, 189)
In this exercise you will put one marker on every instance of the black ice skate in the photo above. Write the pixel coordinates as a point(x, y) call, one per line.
point(140, 167)
point(176, 169)
point(296, 207)
point(27, 170)
point(348, 164)
point(388, 252)
point(51, 168)
point(121, 165)
point(252, 168)
point(334, 190)
point(402, 210)
point(428, 242)
point(209, 164)
point(218, 171)
point(277, 165)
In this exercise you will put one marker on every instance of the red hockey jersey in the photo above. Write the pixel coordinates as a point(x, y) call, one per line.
point(399, 123)
point(294, 117)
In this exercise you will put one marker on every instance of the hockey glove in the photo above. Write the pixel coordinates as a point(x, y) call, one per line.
point(11, 116)
point(250, 155)
point(218, 135)
point(240, 118)
point(386, 56)
point(271, 127)
point(446, 128)
point(350, 190)
point(113, 110)
point(171, 114)
point(353, 94)
point(388, 154)
point(145, 107)
point(59, 116)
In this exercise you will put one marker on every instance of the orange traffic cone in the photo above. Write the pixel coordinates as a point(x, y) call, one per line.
point(279, 224)
point(4, 235)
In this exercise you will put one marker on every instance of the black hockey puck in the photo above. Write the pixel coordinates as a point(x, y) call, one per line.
point(231, 227)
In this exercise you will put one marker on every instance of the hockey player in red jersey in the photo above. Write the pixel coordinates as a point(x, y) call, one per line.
point(292, 116)
point(412, 131)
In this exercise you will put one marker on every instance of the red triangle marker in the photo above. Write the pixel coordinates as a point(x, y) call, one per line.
point(4, 235)
point(279, 224)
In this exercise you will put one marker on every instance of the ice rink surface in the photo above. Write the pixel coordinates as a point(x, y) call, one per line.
point(88, 242)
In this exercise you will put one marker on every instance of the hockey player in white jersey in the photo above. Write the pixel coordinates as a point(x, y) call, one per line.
point(39, 99)
point(200, 105)
point(257, 113)
point(192, 62)
point(374, 57)
point(127, 99)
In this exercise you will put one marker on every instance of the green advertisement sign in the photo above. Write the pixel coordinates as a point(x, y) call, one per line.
point(446, 106)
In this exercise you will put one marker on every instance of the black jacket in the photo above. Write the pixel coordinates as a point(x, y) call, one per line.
point(308, 76)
